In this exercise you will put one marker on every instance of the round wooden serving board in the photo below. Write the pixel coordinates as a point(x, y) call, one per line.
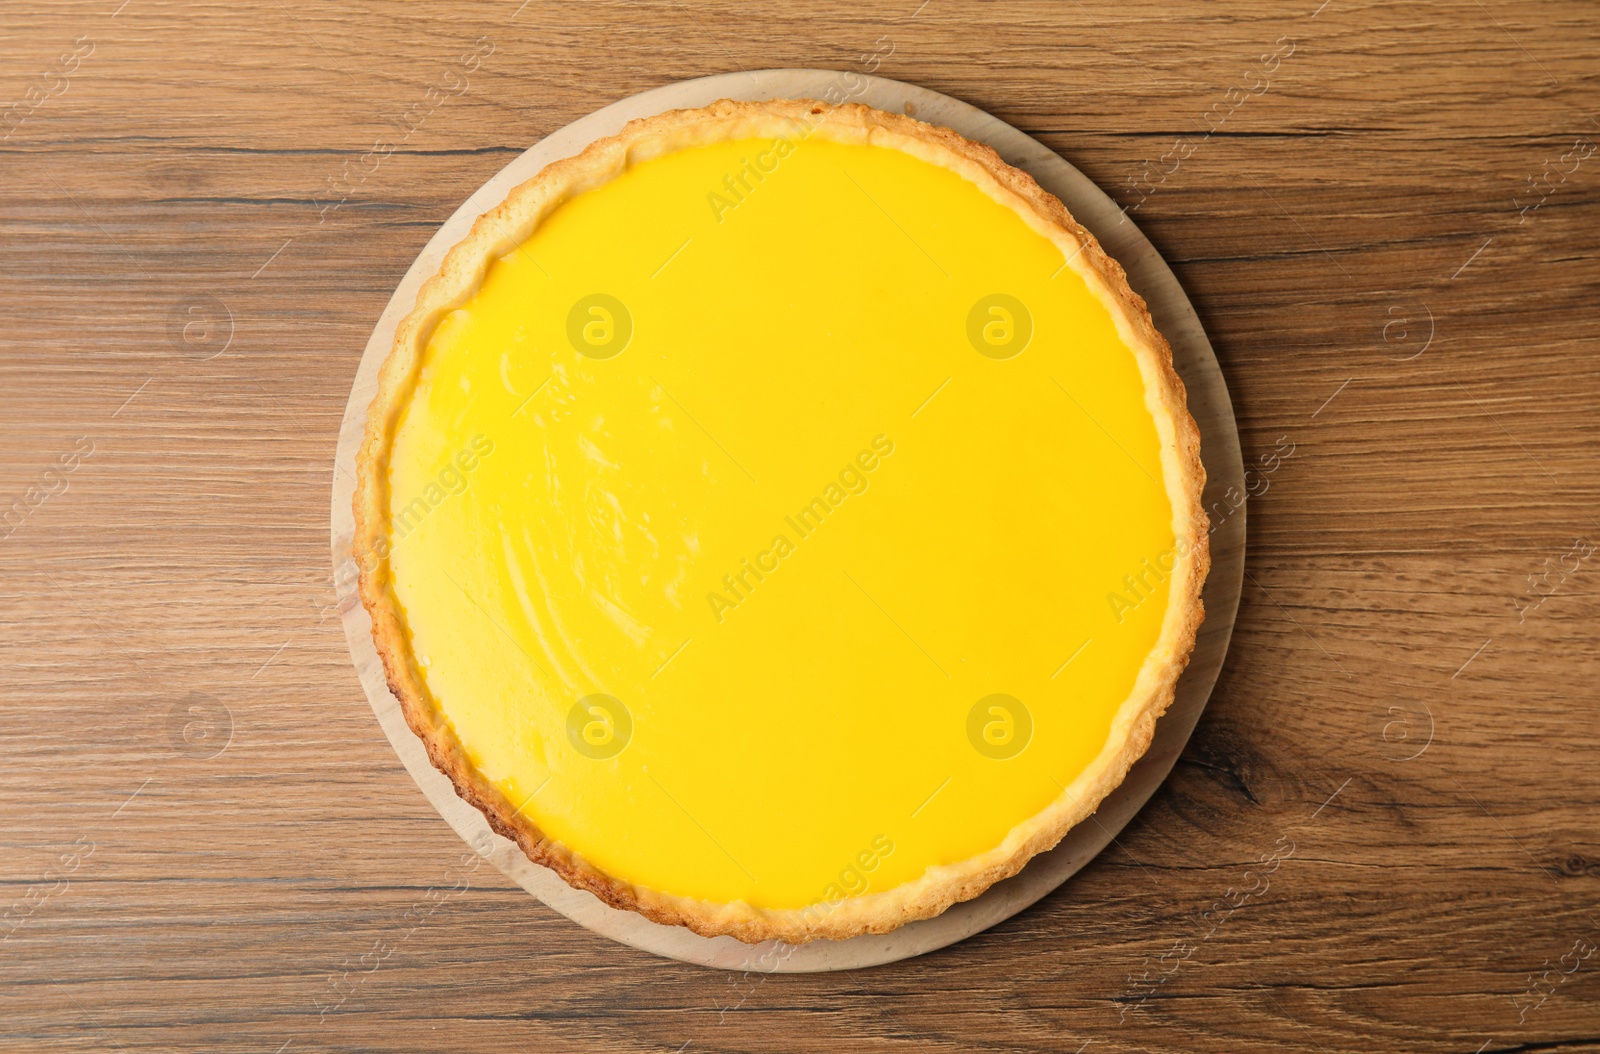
point(1208, 402)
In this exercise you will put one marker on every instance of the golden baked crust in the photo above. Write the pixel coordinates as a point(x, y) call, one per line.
point(505, 227)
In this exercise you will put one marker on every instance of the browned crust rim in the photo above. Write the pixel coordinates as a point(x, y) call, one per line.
point(512, 222)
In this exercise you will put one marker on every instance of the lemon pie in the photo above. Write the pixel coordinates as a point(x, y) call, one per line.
point(782, 520)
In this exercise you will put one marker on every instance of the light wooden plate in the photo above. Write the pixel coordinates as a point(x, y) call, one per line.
point(1208, 401)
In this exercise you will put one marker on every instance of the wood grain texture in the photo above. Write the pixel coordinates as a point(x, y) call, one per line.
point(265, 877)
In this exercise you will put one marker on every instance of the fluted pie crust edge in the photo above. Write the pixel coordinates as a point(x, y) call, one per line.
point(503, 228)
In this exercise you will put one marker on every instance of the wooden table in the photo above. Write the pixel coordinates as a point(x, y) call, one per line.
point(1386, 216)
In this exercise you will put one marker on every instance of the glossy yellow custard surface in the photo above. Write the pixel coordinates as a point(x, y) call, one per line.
point(782, 519)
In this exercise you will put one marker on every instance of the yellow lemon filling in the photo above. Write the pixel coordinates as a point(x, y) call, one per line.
point(780, 520)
